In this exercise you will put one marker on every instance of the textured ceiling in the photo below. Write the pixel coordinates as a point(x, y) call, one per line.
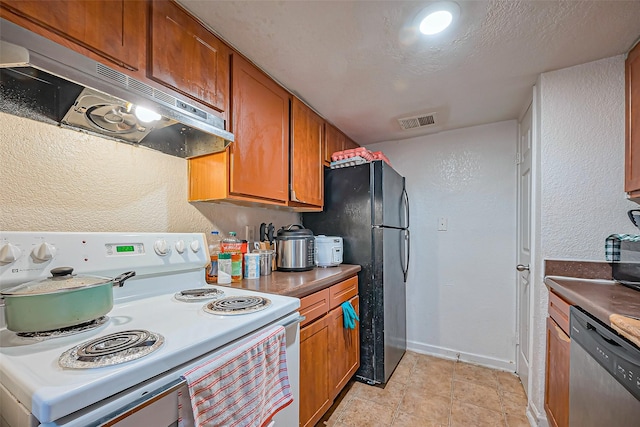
point(362, 66)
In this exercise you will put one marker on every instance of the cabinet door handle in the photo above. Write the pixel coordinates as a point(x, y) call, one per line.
point(562, 334)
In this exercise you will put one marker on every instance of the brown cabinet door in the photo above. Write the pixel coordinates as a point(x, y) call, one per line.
point(344, 349)
point(307, 173)
point(113, 30)
point(185, 56)
point(556, 399)
point(260, 152)
point(314, 383)
point(632, 163)
point(350, 144)
point(334, 141)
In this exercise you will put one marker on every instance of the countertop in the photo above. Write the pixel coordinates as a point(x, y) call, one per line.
point(599, 297)
point(298, 284)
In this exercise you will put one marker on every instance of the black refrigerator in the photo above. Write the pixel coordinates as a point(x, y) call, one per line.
point(368, 206)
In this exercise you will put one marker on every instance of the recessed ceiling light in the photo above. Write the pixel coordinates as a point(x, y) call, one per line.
point(436, 22)
point(436, 17)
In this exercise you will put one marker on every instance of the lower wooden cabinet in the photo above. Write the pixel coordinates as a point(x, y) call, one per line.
point(344, 349)
point(314, 366)
point(329, 353)
point(556, 397)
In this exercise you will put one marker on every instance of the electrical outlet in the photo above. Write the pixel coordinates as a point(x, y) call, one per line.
point(442, 224)
point(250, 233)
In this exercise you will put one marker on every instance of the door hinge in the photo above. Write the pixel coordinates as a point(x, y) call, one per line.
point(518, 158)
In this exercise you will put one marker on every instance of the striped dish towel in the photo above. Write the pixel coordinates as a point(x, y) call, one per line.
point(244, 386)
point(612, 245)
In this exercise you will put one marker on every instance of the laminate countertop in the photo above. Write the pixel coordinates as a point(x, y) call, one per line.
point(601, 298)
point(298, 284)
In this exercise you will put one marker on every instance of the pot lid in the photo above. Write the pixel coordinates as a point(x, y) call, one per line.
point(289, 231)
point(61, 280)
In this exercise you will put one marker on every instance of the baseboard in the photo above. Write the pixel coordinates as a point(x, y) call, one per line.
point(490, 362)
point(536, 417)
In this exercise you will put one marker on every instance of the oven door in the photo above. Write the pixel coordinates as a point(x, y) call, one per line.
point(604, 375)
point(155, 402)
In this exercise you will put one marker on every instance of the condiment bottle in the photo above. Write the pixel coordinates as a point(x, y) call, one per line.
point(236, 266)
point(214, 251)
point(224, 268)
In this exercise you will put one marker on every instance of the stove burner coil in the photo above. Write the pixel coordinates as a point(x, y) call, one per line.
point(237, 305)
point(199, 294)
point(111, 349)
point(69, 330)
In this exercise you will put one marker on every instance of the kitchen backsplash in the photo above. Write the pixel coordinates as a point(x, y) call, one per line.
point(56, 179)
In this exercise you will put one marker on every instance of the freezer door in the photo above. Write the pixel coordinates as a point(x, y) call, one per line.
point(390, 203)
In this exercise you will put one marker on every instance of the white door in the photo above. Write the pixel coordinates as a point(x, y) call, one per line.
point(524, 245)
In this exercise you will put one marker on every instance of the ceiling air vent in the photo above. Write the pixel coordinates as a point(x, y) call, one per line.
point(418, 121)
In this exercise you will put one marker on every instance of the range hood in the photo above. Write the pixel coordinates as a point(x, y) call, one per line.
point(44, 81)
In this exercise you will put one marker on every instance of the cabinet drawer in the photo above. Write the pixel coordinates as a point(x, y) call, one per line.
point(343, 291)
point(314, 306)
point(559, 311)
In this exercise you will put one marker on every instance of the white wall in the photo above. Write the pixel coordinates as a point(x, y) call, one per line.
point(54, 179)
point(581, 197)
point(461, 285)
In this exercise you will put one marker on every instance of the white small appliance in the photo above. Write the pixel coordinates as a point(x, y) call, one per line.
point(328, 251)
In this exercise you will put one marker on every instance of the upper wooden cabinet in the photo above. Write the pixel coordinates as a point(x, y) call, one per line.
point(350, 144)
point(111, 32)
point(632, 163)
point(185, 56)
point(255, 167)
point(334, 141)
point(307, 174)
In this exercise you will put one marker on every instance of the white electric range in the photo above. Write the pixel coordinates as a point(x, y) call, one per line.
point(35, 388)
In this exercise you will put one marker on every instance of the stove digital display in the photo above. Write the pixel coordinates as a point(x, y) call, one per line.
point(117, 249)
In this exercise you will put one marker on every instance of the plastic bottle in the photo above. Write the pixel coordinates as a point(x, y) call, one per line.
point(231, 243)
point(224, 268)
point(214, 250)
point(236, 266)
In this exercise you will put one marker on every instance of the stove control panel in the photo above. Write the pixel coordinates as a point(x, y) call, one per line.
point(26, 256)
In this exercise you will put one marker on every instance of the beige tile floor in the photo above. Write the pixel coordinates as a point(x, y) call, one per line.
point(427, 391)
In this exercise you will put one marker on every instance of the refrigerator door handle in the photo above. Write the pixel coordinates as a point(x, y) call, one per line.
point(405, 197)
point(405, 267)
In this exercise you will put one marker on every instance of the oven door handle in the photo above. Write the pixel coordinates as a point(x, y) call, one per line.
point(141, 403)
point(298, 319)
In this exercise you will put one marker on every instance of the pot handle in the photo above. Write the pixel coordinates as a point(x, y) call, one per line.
point(288, 227)
point(119, 280)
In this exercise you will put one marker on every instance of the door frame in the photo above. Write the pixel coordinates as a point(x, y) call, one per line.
point(534, 268)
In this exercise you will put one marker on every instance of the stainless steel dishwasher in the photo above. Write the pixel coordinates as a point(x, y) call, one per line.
point(604, 379)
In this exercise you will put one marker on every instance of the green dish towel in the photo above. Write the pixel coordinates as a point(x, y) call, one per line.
point(349, 314)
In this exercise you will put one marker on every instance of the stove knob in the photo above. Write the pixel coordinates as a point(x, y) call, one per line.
point(161, 247)
point(43, 252)
point(9, 253)
point(195, 246)
point(180, 247)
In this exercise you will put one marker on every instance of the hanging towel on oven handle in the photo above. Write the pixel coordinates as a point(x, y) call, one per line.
point(349, 315)
point(244, 386)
